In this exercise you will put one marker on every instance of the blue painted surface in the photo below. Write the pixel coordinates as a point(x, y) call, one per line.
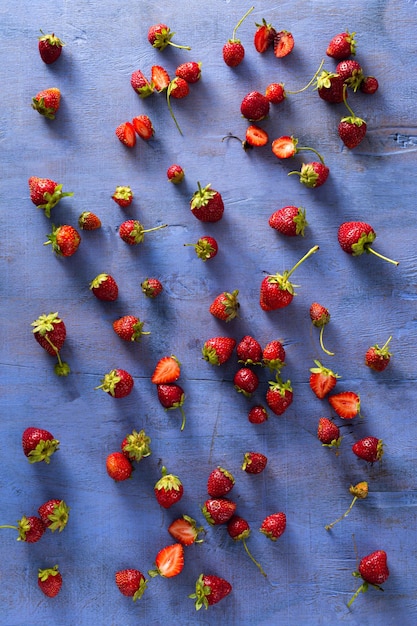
point(114, 526)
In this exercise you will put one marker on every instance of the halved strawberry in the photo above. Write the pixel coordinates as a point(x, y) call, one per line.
point(284, 147)
point(256, 136)
point(159, 78)
point(264, 36)
point(322, 380)
point(143, 126)
point(167, 370)
point(283, 43)
point(169, 561)
point(185, 530)
point(346, 404)
point(125, 132)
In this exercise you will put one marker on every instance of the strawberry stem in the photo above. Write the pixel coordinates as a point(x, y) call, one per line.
point(183, 418)
point(170, 86)
point(381, 256)
point(339, 519)
point(253, 559)
point(362, 589)
point(309, 253)
point(240, 22)
point(345, 102)
point(312, 150)
point(322, 344)
point(149, 230)
point(310, 82)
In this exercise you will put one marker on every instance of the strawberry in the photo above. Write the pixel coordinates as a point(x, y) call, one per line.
point(283, 43)
point(132, 232)
point(351, 129)
point(206, 247)
point(89, 221)
point(233, 50)
point(370, 449)
point(246, 381)
point(54, 514)
point(50, 581)
point(218, 510)
point(178, 88)
point(143, 127)
point(50, 47)
point(225, 306)
point(274, 525)
point(218, 350)
point(255, 137)
point(123, 196)
point(320, 317)
point(276, 290)
point(378, 358)
point(330, 87)
point(219, 482)
point(47, 102)
point(328, 433)
point(30, 529)
point(359, 491)
point(279, 396)
point(175, 174)
point(135, 446)
point(273, 355)
point(254, 462)
point(373, 570)
point(117, 383)
point(322, 380)
point(159, 78)
point(46, 193)
point(64, 239)
point(169, 561)
point(275, 93)
point(104, 287)
point(131, 583)
point(346, 404)
point(125, 133)
point(141, 84)
point(258, 415)
point(185, 530)
point(50, 332)
point(168, 489)
point(254, 106)
point(207, 204)
point(342, 46)
point(160, 36)
point(151, 287)
point(189, 71)
point(172, 396)
point(118, 466)
point(351, 72)
point(369, 85)
point(167, 370)
point(289, 221)
point(313, 174)
point(38, 444)
point(239, 530)
point(355, 238)
point(209, 590)
point(249, 351)
point(129, 328)
point(286, 147)
point(264, 36)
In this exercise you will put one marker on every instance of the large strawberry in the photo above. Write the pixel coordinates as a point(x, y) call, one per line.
point(322, 380)
point(118, 466)
point(169, 561)
point(355, 238)
point(320, 317)
point(38, 444)
point(218, 510)
point(225, 306)
point(47, 102)
point(129, 328)
point(46, 193)
point(352, 73)
point(207, 204)
point(220, 482)
point(172, 397)
point(342, 46)
point(358, 491)
point(279, 396)
point(373, 570)
point(370, 449)
point(209, 590)
point(50, 581)
point(378, 358)
point(105, 288)
point(290, 221)
point(331, 87)
point(274, 525)
point(249, 351)
point(54, 514)
point(239, 530)
point(64, 239)
point(254, 106)
point(168, 489)
point(233, 50)
point(50, 47)
point(218, 350)
point(118, 383)
point(189, 71)
point(160, 36)
point(50, 332)
point(131, 583)
point(29, 529)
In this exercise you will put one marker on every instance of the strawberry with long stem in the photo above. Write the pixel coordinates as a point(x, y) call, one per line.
point(351, 129)
point(359, 492)
point(233, 50)
point(286, 147)
point(276, 93)
point(239, 530)
point(355, 238)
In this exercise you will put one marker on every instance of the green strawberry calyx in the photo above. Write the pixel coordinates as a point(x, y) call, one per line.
point(51, 39)
point(320, 369)
point(202, 196)
point(59, 517)
point(279, 385)
point(52, 199)
point(43, 451)
point(138, 231)
point(40, 106)
point(282, 280)
point(201, 594)
point(98, 280)
point(324, 79)
point(168, 482)
point(44, 574)
point(109, 382)
point(363, 243)
point(45, 323)
point(137, 445)
point(384, 351)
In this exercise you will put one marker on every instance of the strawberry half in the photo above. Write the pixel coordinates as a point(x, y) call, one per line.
point(185, 530)
point(125, 133)
point(159, 78)
point(322, 380)
point(283, 43)
point(346, 404)
point(169, 561)
point(264, 36)
point(255, 137)
point(143, 127)
point(167, 370)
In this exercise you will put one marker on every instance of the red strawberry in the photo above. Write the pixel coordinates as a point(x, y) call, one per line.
point(46, 193)
point(218, 350)
point(206, 247)
point(373, 569)
point(283, 43)
point(351, 129)
point(328, 433)
point(219, 482)
point(38, 444)
point(169, 561)
point(370, 449)
point(257, 415)
point(313, 174)
point(279, 396)
point(50, 332)
point(30, 529)
point(125, 133)
point(274, 525)
point(89, 221)
point(255, 137)
point(167, 370)
point(50, 47)
point(254, 462)
point(185, 530)
point(342, 46)
point(276, 290)
point(351, 72)
point(141, 84)
point(218, 510)
point(246, 381)
point(64, 240)
point(47, 102)
point(159, 78)
point(322, 380)
point(117, 383)
point(330, 87)
point(346, 404)
point(358, 491)
point(320, 317)
point(233, 50)
point(225, 306)
point(132, 232)
point(249, 351)
point(207, 204)
point(254, 106)
point(50, 581)
point(209, 590)
point(290, 221)
point(178, 88)
point(104, 287)
point(175, 174)
point(189, 71)
point(273, 355)
point(275, 93)
point(239, 530)
point(168, 489)
point(143, 127)
point(123, 196)
point(286, 147)
point(264, 36)
point(151, 287)
point(355, 238)
point(129, 328)
point(135, 446)
point(118, 466)
point(131, 583)
point(369, 85)
point(378, 358)
point(54, 514)
point(172, 396)
point(160, 36)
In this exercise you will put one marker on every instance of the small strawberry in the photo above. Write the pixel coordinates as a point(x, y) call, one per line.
point(50, 47)
point(246, 381)
point(50, 332)
point(50, 581)
point(207, 204)
point(131, 583)
point(206, 247)
point(322, 380)
point(346, 404)
point(219, 482)
point(64, 239)
point(30, 529)
point(136, 446)
point(169, 561)
point(328, 433)
point(38, 444)
point(273, 355)
point(258, 415)
point(89, 221)
point(373, 570)
point(351, 129)
point(264, 36)
point(289, 221)
point(330, 87)
point(239, 530)
point(178, 88)
point(378, 358)
point(117, 383)
point(355, 238)
point(132, 232)
point(185, 530)
point(54, 514)
point(233, 50)
point(168, 489)
point(218, 510)
point(286, 147)
point(167, 370)
point(275, 93)
point(313, 174)
point(123, 196)
point(249, 351)
point(125, 133)
point(274, 525)
point(105, 288)
point(279, 396)
point(342, 46)
point(218, 350)
point(172, 397)
point(151, 287)
point(283, 43)
point(141, 84)
point(276, 290)
point(159, 78)
point(370, 449)
point(225, 306)
point(46, 193)
point(254, 106)
point(118, 466)
point(320, 317)
point(47, 102)
point(160, 36)
point(369, 85)
point(143, 127)
point(175, 174)
point(254, 462)
point(351, 72)
point(209, 590)
point(129, 328)
point(359, 491)
point(189, 71)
